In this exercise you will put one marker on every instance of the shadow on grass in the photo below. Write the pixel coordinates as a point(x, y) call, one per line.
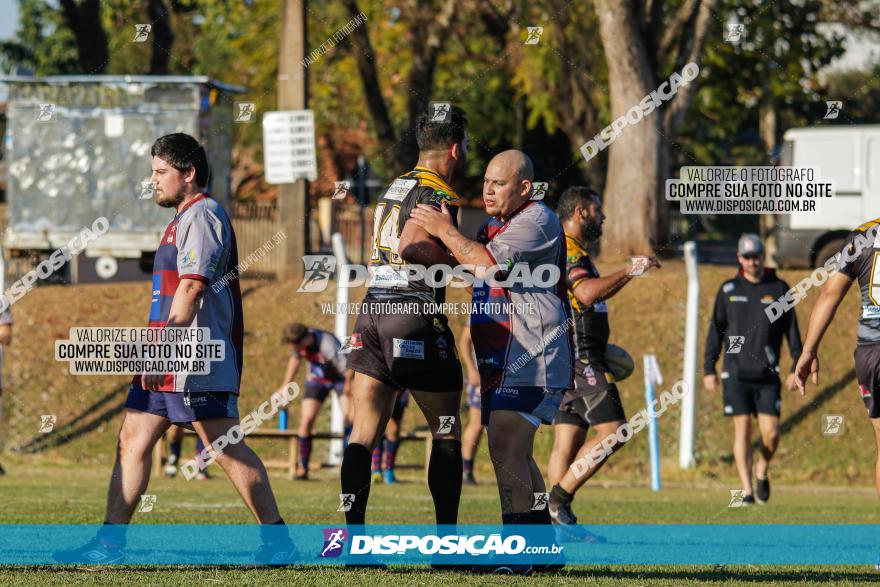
point(80, 425)
point(806, 411)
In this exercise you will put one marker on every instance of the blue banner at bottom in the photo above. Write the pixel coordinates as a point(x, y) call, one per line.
point(407, 544)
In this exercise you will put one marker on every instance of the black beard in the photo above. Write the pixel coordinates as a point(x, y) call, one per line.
point(173, 203)
point(591, 232)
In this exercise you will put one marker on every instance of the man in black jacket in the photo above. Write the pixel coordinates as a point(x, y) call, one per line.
point(751, 362)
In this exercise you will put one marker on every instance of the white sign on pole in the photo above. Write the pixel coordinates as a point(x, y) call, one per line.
point(289, 146)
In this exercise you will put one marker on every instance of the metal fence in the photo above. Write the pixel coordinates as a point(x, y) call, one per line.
point(255, 223)
point(355, 224)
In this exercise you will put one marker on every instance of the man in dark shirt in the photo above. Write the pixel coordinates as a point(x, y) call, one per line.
point(594, 401)
point(400, 342)
point(856, 260)
point(751, 363)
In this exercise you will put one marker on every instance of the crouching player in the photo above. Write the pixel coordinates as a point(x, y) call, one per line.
point(327, 372)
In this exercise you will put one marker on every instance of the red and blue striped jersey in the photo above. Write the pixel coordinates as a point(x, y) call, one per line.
point(199, 243)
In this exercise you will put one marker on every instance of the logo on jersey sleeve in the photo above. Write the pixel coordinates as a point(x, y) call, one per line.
point(189, 258)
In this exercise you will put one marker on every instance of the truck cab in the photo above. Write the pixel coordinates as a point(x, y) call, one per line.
point(850, 157)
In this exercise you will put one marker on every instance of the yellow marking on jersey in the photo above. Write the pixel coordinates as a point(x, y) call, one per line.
point(430, 178)
point(574, 250)
point(574, 247)
point(873, 282)
point(869, 224)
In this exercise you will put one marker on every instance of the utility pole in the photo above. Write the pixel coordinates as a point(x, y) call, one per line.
point(293, 206)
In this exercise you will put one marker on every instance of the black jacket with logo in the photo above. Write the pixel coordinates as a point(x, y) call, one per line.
point(739, 325)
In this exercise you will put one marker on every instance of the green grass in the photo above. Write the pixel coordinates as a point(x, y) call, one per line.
point(64, 481)
point(43, 491)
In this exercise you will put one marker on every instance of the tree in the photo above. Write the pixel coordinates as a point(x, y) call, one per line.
point(84, 20)
point(42, 43)
point(429, 25)
point(645, 44)
point(162, 37)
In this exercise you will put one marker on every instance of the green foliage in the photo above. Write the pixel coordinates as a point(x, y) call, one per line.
point(43, 42)
point(775, 66)
point(860, 93)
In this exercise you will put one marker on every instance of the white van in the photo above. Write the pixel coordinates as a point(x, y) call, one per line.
point(848, 155)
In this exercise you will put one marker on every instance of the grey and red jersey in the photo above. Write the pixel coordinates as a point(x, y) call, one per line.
point(860, 260)
point(199, 243)
point(522, 333)
point(326, 364)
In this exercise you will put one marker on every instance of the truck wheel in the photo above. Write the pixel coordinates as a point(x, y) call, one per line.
point(106, 267)
point(829, 249)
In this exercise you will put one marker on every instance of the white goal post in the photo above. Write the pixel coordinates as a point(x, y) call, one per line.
point(340, 329)
point(692, 320)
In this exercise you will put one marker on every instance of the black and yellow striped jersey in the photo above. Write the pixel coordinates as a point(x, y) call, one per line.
point(591, 328)
point(419, 186)
point(860, 260)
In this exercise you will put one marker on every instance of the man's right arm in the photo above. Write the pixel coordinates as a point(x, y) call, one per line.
point(717, 327)
point(588, 291)
point(466, 354)
point(416, 246)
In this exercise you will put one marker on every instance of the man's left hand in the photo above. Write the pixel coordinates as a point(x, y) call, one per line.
point(151, 382)
point(432, 220)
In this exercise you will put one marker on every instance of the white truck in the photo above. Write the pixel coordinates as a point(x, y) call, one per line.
point(848, 155)
point(77, 148)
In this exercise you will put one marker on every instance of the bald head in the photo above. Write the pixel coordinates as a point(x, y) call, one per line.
point(507, 183)
point(516, 161)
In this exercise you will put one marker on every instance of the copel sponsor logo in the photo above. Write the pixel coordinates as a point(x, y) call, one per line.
point(334, 542)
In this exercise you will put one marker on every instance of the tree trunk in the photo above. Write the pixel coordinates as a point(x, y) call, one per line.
point(84, 20)
point(163, 37)
point(633, 160)
point(767, 130)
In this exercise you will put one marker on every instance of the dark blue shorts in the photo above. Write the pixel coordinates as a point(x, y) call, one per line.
point(319, 391)
point(536, 404)
point(184, 407)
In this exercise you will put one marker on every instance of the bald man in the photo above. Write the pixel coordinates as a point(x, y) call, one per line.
point(519, 326)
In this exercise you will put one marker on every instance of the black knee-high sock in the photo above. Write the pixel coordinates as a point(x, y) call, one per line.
point(355, 477)
point(444, 479)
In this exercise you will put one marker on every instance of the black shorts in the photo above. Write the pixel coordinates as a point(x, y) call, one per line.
point(319, 391)
point(405, 350)
point(868, 374)
point(751, 397)
point(594, 400)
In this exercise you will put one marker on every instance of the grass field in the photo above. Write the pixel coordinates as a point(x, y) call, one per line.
point(47, 492)
point(61, 477)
